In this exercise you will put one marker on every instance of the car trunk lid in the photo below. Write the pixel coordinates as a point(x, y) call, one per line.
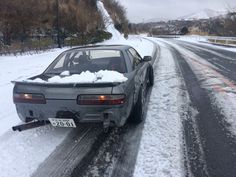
point(63, 91)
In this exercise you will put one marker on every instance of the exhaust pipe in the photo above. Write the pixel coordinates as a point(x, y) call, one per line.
point(30, 125)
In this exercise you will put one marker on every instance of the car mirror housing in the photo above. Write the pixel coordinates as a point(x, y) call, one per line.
point(147, 58)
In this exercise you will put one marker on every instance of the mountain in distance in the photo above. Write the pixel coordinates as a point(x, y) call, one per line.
point(203, 14)
point(153, 20)
point(199, 15)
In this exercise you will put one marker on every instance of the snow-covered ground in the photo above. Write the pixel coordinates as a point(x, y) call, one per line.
point(16, 68)
point(21, 153)
point(161, 146)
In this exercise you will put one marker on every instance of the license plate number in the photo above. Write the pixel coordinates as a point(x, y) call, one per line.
point(62, 122)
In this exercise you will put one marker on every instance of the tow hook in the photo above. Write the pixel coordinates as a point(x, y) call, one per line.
point(106, 122)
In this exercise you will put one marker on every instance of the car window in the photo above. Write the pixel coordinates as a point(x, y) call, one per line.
point(78, 61)
point(94, 54)
point(60, 62)
point(131, 59)
point(134, 57)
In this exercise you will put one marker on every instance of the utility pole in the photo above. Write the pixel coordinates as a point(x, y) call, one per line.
point(58, 25)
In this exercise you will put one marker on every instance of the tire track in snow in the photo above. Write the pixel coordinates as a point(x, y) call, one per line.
point(70, 152)
point(116, 153)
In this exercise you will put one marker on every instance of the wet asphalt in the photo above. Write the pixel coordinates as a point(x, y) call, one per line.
point(210, 146)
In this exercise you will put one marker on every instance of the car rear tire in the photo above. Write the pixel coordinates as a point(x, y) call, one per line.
point(150, 77)
point(136, 116)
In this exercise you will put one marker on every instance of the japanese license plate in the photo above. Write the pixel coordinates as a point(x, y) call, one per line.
point(57, 122)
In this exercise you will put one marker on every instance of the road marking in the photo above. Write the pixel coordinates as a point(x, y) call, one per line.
point(216, 87)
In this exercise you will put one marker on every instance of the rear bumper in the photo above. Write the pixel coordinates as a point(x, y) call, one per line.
point(70, 109)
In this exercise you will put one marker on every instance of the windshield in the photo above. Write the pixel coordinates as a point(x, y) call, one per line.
point(78, 61)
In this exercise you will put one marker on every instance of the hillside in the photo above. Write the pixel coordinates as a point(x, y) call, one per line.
point(31, 25)
point(202, 23)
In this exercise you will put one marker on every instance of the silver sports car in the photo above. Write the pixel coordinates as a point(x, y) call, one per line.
point(66, 104)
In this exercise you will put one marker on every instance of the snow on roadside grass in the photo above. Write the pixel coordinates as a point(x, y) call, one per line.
point(15, 68)
point(161, 145)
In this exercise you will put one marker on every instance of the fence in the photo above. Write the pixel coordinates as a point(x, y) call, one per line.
point(228, 41)
point(220, 40)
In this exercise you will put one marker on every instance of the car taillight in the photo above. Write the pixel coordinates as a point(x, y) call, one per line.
point(29, 98)
point(101, 99)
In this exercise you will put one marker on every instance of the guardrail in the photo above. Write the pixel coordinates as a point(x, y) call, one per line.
point(218, 40)
point(228, 41)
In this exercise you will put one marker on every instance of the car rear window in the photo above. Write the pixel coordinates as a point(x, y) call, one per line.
point(77, 61)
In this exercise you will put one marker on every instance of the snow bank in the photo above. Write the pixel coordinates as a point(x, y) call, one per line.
point(161, 145)
point(133, 40)
point(102, 76)
point(109, 23)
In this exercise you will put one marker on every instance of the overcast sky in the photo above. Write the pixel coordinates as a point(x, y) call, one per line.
point(143, 10)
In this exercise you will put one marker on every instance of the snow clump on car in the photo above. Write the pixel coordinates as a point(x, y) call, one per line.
point(102, 76)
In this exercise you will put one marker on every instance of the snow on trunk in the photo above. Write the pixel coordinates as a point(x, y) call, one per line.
point(102, 76)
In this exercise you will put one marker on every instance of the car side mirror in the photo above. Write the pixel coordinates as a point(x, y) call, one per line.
point(147, 58)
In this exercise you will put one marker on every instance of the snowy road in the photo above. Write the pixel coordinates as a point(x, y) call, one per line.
point(189, 129)
point(209, 74)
